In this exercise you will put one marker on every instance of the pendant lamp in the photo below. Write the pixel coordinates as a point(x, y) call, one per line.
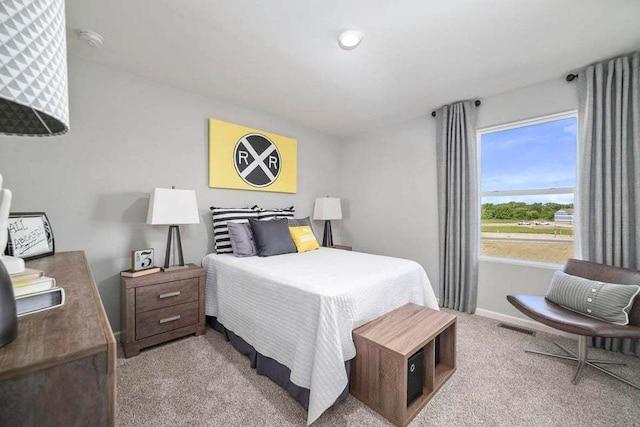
point(34, 98)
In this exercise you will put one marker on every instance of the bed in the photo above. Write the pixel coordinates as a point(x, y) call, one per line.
point(299, 309)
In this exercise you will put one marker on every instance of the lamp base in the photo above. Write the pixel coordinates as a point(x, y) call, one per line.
point(175, 267)
point(327, 239)
point(174, 233)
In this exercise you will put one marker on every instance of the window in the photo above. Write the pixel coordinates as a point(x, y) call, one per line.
point(527, 186)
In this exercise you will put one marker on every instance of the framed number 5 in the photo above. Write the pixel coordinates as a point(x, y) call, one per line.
point(142, 259)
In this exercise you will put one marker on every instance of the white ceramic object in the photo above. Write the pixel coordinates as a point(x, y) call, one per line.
point(13, 265)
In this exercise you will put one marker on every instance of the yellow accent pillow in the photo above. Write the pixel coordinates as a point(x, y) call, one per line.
point(304, 238)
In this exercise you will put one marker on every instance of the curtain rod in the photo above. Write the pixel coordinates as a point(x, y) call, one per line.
point(571, 77)
point(433, 113)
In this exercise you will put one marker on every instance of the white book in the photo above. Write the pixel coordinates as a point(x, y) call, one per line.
point(33, 286)
point(26, 275)
point(40, 301)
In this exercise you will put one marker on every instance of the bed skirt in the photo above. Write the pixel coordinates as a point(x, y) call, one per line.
point(270, 368)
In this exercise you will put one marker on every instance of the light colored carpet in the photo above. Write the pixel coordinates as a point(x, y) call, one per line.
point(204, 381)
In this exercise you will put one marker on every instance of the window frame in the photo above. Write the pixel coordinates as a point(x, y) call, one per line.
point(525, 192)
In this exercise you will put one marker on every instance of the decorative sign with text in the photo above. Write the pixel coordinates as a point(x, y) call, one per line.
point(30, 235)
point(249, 159)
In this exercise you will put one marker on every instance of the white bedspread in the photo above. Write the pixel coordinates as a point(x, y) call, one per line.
point(301, 308)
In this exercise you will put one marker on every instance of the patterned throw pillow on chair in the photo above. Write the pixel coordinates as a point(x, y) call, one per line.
point(604, 301)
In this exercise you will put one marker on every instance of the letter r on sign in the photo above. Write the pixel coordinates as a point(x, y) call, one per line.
point(243, 156)
point(273, 162)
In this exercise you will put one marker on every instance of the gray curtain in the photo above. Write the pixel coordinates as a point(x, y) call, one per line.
point(458, 205)
point(609, 184)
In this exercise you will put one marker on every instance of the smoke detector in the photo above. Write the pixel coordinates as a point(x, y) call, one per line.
point(91, 38)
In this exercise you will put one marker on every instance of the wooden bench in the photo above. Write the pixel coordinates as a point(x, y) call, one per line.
point(379, 372)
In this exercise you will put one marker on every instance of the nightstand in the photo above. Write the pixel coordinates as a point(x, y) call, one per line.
point(160, 307)
point(343, 247)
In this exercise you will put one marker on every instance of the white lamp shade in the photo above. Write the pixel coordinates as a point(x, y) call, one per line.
point(169, 206)
point(33, 68)
point(327, 208)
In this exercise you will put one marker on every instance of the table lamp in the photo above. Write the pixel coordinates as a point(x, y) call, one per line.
point(172, 207)
point(326, 209)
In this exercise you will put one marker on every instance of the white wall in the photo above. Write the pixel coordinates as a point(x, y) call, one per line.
point(389, 185)
point(129, 135)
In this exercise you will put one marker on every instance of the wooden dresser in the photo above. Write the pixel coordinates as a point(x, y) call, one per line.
point(60, 370)
point(160, 307)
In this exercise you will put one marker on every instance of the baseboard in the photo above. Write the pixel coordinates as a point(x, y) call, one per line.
point(517, 321)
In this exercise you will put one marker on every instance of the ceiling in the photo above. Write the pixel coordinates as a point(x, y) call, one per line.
point(281, 56)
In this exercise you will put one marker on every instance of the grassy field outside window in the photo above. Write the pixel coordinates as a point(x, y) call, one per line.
point(527, 182)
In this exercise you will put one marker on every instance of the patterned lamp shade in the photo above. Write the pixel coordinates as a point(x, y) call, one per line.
point(33, 68)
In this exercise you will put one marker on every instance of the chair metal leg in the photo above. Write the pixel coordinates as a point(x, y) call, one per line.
point(583, 360)
point(614, 375)
point(576, 377)
point(602, 362)
point(566, 350)
point(606, 362)
point(558, 356)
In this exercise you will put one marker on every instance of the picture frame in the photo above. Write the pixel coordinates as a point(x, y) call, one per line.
point(243, 158)
point(142, 259)
point(30, 235)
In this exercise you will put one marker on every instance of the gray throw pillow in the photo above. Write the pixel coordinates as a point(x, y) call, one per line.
point(241, 237)
point(300, 222)
point(272, 237)
point(605, 301)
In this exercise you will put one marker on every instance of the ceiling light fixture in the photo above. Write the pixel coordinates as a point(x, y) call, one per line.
point(350, 39)
point(91, 38)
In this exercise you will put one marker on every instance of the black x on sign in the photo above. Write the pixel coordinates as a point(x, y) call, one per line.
point(257, 160)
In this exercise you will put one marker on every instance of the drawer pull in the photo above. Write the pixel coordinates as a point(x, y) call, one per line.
point(170, 294)
point(170, 319)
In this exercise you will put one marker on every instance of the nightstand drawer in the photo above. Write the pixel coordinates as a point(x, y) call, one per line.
point(166, 319)
point(166, 294)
